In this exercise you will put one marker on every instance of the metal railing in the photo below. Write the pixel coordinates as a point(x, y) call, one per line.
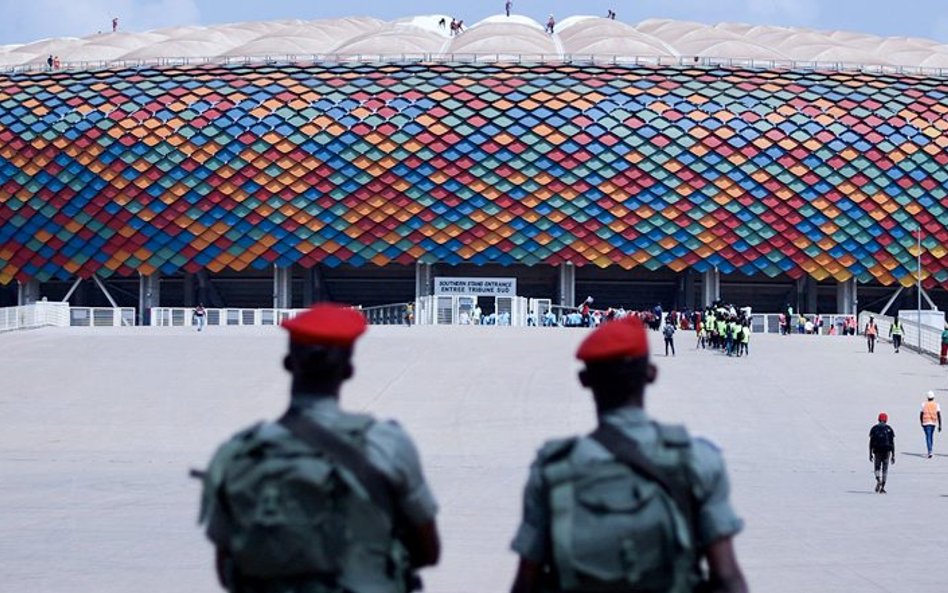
point(489, 58)
point(41, 314)
point(930, 337)
point(57, 314)
point(185, 317)
point(769, 323)
point(101, 316)
point(395, 314)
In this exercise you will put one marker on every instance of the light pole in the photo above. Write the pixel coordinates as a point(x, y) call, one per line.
point(918, 273)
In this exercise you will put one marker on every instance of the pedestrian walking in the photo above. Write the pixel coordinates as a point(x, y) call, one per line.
point(507, 7)
point(669, 332)
point(588, 498)
point(49, 62)
point(200, 316)
point(409, 313)
point(930, 417)
point(115, 24)
point(895, 332)
point(881, 450)
point(871, 332)
point(585, 310)
point(550, 24)
point(321, 500)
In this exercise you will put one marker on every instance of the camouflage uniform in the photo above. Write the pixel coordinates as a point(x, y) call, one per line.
point(715, 518)
point(387, 447)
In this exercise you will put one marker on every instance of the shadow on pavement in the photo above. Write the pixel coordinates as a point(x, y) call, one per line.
point(922, 455)
point(860, 492)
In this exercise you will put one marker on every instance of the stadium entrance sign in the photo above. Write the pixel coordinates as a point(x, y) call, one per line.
point(476, 286)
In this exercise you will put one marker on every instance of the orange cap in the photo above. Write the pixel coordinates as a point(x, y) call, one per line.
point(326, 324)
point(624, 338)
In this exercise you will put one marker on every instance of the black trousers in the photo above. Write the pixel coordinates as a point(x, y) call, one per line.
point(880, 463)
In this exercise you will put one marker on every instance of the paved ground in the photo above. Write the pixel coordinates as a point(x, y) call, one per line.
point(100, 428)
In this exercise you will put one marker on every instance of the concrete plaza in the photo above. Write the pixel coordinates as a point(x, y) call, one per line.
point(100, 428)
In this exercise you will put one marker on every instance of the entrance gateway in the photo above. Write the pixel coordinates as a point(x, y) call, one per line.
point(484, 301)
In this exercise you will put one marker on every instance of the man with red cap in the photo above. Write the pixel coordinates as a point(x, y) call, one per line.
point(634, 506)
point(322, 500)
point(881, 450)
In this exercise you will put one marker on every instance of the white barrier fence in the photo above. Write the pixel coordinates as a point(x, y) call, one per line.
point(912, 332)
point(489, 58)
point(185, 317)
point(396, 314)
point(101, 316)
point(42, 314)
point(464, 310)
point(56, 314)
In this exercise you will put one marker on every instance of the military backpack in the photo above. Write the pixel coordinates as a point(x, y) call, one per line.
point(286, 504)
point(623, 524)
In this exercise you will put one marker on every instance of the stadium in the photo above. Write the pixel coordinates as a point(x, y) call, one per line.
point(279, 163)
point(261, 166)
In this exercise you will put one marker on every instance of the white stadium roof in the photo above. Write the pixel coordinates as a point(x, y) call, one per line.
point(660, 40)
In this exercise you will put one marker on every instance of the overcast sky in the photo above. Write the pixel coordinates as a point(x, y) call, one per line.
point(29, 20)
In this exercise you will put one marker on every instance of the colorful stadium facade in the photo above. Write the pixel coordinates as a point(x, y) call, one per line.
point(239, 169)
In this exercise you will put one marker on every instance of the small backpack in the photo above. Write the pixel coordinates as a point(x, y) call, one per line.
point(287, 509)
point(881, 438)
point(613, 530)
point(669, 330)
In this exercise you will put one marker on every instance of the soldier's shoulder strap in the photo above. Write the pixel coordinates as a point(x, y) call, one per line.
point(627, 451)
point(379, 488)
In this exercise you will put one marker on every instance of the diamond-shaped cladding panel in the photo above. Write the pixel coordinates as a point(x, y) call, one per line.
point(125, 171)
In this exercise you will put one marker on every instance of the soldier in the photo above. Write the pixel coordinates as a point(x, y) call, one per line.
point(634, 506)
point(322, 500)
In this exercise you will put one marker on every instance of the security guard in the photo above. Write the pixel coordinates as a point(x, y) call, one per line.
point(322, 500)
point(634, 506)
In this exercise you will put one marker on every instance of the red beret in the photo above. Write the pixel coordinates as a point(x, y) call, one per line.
point(624, 338)
point(326, 324)
point(883, 417)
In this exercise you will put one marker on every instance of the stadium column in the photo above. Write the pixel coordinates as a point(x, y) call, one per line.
point(567, 285)
point(312, 285)
point(188, 284)
point(710, 287)
point(423, 280)
point(806, 294)
point(686, 289)
point(27, 292)
point(846, 297)
point(149, 295)
point(282, 287)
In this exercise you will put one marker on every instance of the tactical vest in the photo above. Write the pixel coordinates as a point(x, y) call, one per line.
point(613, 530)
